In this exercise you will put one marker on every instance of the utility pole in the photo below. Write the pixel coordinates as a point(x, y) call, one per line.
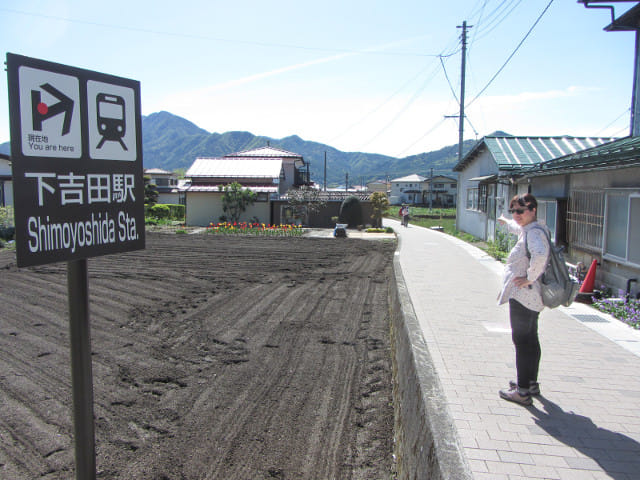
point(325, 170)
point(462, 83)
point(431, 190)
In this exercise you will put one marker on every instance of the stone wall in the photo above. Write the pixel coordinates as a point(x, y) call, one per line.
point(427, 444)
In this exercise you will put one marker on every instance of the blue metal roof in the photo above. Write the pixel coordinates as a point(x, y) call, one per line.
point(522, 152)
point(624, 152)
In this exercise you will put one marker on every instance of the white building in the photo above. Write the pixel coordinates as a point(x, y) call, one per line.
point(267, 171)
point(166, 184)
point(6, 182)
point(407, 189)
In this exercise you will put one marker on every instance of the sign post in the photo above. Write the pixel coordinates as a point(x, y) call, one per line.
point(76, 152)
point(81, 371)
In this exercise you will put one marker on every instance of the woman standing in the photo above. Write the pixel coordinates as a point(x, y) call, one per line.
point(521, 288)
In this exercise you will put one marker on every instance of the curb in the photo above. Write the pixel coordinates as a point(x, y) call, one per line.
point(426, 443)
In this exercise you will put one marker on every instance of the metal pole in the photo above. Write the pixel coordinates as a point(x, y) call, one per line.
point(81, 373)
point(325, 171)
point(462, 82)
point(635, 96)
point(431, 190)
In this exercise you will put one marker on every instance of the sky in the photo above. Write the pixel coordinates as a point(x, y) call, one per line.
point(359, 75)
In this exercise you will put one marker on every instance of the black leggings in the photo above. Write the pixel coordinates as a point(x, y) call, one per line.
point(524, 333)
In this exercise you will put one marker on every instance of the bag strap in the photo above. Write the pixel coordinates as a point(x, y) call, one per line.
point(526, 244)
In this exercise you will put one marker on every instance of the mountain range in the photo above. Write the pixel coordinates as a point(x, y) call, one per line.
point(172, 143)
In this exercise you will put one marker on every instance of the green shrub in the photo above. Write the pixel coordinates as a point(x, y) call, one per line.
point(7, 225)
point(165, 210)
point(177, 211)
point(351, 211)
point(160, 211)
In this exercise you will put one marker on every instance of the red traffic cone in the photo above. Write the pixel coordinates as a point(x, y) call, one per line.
point(589, 281)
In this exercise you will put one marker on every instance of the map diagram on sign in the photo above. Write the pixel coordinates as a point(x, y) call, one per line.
point(41, 111)
point(49, 114)
point(111, 121)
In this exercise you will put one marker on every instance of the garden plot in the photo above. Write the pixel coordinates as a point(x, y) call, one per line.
point(214, 357)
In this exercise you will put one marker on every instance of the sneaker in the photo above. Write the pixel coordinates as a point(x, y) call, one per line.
point(516, 397)
point(534, 387)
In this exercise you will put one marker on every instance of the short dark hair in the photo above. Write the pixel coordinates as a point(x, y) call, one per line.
point(524, 200)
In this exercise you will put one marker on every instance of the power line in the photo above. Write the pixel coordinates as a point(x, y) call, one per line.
point(497, 21)
point(404, 108)
point(211, 38)
point(425, 135)
point(512, 53)
point(453, 92)
point(614, 121)
point(370, 113)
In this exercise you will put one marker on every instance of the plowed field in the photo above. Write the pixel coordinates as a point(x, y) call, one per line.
point(213, 358)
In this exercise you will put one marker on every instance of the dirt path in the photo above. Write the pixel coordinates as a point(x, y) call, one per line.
point(213, 358)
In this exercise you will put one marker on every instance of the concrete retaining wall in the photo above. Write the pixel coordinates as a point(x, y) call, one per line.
point(427, 445)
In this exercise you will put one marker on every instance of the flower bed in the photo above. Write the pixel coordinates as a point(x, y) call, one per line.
point(628, 312)
point(258, 229)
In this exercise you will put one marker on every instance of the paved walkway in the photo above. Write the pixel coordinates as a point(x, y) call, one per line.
point(586, 423)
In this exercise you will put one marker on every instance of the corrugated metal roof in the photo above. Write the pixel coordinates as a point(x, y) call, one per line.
point(619, 153)
point(521, 152)
point(239, 168)
point(157, 171)
point(517, 152)
point(265, 152)
point(410, 178)
point(214, 188)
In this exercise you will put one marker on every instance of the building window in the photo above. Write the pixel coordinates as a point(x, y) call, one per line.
point(472, 199)
point(585, 219)
point(548, 214)
point(482, 197)
point(622, 226)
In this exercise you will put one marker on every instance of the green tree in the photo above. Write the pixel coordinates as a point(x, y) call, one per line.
point(150, 192)
point(351, 211)
point(379, 205)
point(306, 201)
point(236, 199)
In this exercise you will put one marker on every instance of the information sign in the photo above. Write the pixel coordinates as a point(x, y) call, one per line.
point(76, 153)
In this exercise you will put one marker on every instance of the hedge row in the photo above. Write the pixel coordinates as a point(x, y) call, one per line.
point(164, 210)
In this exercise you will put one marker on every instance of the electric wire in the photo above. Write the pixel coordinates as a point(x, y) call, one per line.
point(614, 121)
point(374, 110)
point(495, 18)
point(497, 21)
point(425, 135)
point(211, 38)
point(404, 108)
point(512, 54)
point(453, 92)
point(619, 132)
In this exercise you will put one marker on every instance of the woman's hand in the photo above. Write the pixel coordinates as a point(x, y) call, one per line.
point(522, 282)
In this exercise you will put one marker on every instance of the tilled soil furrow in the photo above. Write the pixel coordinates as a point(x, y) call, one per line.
point(213, 357)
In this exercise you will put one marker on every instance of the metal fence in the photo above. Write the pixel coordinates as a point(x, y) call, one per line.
point(585, 219)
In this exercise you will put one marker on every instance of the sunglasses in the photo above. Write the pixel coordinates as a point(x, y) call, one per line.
point(519, 211)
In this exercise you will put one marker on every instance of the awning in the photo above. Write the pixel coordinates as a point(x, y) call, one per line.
point(484, 179)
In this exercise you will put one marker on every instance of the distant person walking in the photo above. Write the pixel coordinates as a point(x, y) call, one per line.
point(521, 289)
point(404, 213)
